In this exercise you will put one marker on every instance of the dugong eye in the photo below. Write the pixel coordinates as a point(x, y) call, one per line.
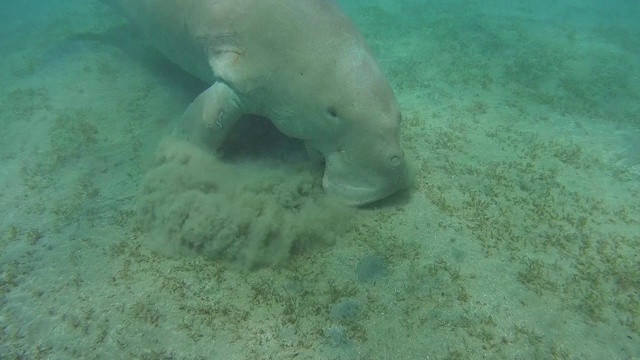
point(332, 111)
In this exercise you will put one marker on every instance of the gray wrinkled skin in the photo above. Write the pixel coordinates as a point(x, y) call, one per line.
point(300, 63)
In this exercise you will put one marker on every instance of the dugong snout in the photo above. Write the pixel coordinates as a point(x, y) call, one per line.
point(360, 180)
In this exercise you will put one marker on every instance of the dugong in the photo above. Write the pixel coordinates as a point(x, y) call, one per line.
point(300, 63)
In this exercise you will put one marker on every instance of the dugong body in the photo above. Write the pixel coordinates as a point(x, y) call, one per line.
point(300, 63)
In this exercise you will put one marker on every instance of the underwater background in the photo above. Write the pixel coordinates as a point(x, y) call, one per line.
point(520, 238)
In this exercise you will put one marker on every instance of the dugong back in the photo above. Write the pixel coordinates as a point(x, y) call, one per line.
point(172, 27)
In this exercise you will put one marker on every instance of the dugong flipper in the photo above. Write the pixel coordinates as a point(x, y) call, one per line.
point(211, 115)
point(300, 63)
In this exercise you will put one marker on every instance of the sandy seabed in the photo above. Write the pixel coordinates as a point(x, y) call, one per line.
point(520, 238)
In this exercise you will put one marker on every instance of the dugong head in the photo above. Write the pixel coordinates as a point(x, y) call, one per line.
point(364, 160)
point(321, 84)
point(341, 104)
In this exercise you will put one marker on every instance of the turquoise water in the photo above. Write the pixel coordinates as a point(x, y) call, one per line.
point(519, 239)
